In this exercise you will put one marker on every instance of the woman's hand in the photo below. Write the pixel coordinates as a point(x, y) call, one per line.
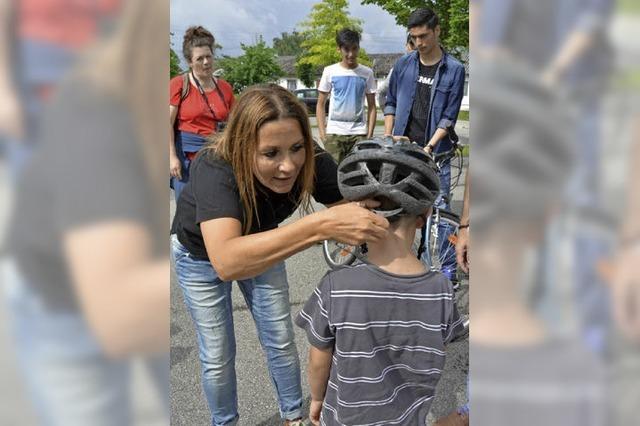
point(353, 224)
point(626, 293)
point(175, 168)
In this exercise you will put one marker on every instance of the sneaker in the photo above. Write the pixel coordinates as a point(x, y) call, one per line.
point(296, 422)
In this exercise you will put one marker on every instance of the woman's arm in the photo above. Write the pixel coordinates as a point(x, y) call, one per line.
point(175, 168)
point(122, 290)
point(237, 257)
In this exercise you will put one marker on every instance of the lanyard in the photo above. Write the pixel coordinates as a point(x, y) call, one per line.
point(204, 96)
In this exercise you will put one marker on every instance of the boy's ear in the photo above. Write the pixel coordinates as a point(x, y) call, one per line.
point(421, 220)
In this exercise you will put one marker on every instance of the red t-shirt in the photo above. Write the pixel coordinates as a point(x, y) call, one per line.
point(193, 114)
point(69, 23)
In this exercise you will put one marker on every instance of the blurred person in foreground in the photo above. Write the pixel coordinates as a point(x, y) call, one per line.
point(565, 44)
point(40, 42)
point(199, 105)
point(253, 176)
point(378, 330)
point(523, 371)
point(89, 288)
point(625, 289)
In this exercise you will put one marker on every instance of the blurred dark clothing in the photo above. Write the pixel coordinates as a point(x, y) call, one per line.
point(88, 169)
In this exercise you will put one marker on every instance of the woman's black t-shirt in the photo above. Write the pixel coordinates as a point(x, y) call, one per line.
point(212, 193)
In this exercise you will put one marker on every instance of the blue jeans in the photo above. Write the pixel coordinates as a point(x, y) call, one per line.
point(186, 143)
point(447, 250)
point(208, 300)
point(68, 378)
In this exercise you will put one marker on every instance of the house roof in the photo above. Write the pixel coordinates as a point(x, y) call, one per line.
point(382, 63)
point(288, 65)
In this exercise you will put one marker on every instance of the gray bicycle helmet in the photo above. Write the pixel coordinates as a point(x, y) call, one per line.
point(400, 174)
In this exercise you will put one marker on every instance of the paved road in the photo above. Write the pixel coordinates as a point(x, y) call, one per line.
point(257, 402)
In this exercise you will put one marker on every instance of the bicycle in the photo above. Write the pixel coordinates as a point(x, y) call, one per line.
point(438, 247)
point(441, 229)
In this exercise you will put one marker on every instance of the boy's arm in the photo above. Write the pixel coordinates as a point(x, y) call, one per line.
point(320, 115)
point(371, 112)
point(318, 375)
point(389, 107)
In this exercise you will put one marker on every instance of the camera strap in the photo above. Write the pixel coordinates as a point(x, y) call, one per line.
point(206, 100)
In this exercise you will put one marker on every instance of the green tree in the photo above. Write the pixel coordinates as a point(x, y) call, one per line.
point(174, 64)
point(257, 65)
point(453, 14)
point(288, 44)
point(306, 74)
point(325, 20)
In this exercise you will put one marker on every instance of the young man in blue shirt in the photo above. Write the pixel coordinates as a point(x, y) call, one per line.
point(425, 93)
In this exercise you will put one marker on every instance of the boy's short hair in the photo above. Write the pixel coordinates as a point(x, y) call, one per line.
point(423, 16)
point(347, 37)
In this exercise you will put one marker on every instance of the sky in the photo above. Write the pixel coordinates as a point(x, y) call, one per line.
point(242, 21)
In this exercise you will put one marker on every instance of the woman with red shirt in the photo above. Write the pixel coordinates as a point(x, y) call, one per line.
point(204, 109)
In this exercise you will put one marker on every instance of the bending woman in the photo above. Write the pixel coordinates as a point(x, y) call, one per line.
point(257, 173)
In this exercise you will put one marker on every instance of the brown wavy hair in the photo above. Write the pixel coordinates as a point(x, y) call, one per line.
point(238, 144)
point(196, 36)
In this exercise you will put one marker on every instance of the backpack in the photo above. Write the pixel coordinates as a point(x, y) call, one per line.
point(185, 87)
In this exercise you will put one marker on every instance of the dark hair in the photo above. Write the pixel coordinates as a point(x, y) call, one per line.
point(196, 36)
point(347, 37)
point(420, 17)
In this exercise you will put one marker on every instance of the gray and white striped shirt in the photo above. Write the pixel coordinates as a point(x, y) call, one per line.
point(387, 333)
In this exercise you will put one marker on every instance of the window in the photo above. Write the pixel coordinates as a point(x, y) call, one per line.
point(292, 84)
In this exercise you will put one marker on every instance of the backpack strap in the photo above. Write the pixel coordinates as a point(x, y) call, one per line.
point(185, 86)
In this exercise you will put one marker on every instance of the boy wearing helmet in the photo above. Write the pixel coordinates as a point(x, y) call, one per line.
point(377, 329)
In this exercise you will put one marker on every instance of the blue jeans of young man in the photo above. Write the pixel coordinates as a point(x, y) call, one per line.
point(208, 299)
point(69, 379)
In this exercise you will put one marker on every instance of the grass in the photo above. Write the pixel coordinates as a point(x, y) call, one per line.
point(626, 80)
point(629, 6)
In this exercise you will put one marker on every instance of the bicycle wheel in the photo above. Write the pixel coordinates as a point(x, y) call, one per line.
point(338, 254)
point(440, 245)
